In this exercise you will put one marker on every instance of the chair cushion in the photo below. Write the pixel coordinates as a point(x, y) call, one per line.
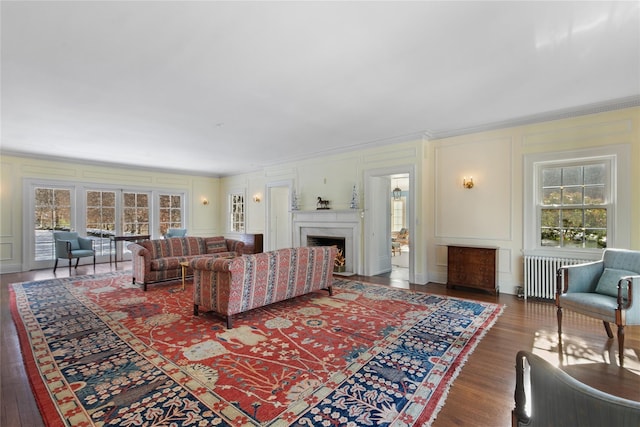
point(608, 283)
point(75, 245)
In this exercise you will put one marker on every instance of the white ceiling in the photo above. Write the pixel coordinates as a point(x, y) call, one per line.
point(226, 87)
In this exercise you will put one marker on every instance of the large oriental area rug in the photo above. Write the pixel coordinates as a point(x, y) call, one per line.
point(100, 351)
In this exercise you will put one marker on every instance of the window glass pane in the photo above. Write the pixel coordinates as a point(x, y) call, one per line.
point(550, 218)
point(571, 218)
point(596, 238)
point(551, 177)
point(572, 196)
point(595, 174)
point(594, 195)
point(595, 218)
point(551, 196)
point(165, 201)
point(572, 175)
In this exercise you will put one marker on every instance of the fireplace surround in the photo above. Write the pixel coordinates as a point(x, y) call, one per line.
point(332, 225)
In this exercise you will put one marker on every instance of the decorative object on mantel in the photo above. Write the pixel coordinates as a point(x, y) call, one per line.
point(294, 201)
point(322, 204)
point(339, 263)
point(354, 198)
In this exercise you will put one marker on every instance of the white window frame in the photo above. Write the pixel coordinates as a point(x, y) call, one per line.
point(230, 219)
point(618, 208)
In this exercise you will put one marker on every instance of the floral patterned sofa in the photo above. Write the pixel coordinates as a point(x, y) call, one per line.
point(232, 286)
point(157, 260)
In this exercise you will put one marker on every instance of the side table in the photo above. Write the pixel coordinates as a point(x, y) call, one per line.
point(184, 265)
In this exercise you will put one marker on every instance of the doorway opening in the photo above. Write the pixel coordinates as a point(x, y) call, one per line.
point(400, 247)
point(386, 214)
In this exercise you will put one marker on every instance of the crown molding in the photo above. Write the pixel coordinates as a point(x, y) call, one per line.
point(601, 107)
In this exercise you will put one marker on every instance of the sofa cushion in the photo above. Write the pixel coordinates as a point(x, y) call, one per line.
point(172, 263)
point(216, 245)
point(608, 283)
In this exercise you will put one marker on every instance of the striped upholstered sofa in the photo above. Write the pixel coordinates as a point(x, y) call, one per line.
point(158, 260)
point(232, 286)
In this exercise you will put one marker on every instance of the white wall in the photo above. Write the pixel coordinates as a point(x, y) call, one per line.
point(491, 213)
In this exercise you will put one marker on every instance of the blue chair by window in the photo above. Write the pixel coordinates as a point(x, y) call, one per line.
point(175, 232)
point(69, 245)
point(603, 290)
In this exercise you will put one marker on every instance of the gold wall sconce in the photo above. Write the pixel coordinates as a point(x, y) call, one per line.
point(257, 198)
point(205, 202)
point(467, 183)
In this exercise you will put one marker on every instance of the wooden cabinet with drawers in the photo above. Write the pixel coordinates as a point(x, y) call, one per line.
point(252, 243)
point(473, 267)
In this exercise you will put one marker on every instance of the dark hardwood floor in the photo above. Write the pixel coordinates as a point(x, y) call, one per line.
point(482, 395)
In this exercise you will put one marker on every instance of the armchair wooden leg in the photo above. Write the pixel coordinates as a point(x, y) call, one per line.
point(55, 265)
point(559, 321)
point(608, 329)
point(621, 344)
point(69, 266)
point(560, 353)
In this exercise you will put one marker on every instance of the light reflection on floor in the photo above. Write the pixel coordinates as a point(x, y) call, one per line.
point(575, 351)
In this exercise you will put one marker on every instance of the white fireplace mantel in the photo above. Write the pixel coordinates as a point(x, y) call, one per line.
point(332, 223)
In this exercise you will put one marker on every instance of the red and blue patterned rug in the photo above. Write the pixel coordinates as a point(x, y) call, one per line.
point(101, 352)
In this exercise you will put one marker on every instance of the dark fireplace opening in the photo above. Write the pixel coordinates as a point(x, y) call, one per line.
point(339, 242)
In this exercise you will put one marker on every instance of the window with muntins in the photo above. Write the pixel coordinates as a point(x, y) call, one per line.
point(170, 212)
point(573, 204)
point(135, 213)
point(236, 217)
point(101, 218)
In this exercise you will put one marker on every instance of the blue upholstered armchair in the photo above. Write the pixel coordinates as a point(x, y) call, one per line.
point(175, 232)
point(557, 399)
point(604, 290)
point(69, 245)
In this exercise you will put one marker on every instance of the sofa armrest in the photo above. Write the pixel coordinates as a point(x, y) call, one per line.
point(625, 298)
point(137, 250)
point(236, 246)
point(85, 243)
